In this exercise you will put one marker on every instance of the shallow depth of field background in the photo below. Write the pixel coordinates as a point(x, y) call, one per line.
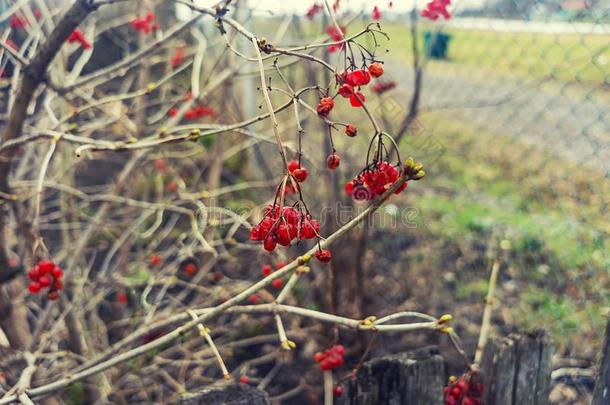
point(514, 130)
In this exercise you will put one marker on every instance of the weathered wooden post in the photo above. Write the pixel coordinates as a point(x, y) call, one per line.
point(234, 394)
point(517, 369)
point(411, 378)
point(601, 394)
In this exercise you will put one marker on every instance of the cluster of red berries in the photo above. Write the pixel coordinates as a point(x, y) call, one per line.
point(349, 87)
point(324, 255)
point(436, 8)
point(282, 226)
point(46, 274)
point(145, 25)
point(77, 36)
point(374, 181)
point(332, 358)
point(466, 390)
point(336, 35)
point(299, 173)
point(381, 87)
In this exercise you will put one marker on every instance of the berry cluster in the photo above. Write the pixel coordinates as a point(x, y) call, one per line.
point(46, 274)
point(436, 8)
point(466, 390)
point(194, 113)
point(374, 181)
point(350, 84)
point(77, 36)
point(283, 225)
point(145, 25)
point(332, 358)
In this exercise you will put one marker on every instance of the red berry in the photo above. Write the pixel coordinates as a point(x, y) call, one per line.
point(161, 165)
point(324, 255)
point(58, 284)
point(357, 99)
point(300, 174)
point(269, 244)
point(358, 78)
point(33, 274)
point(58, 272)
point(293, 165)
point(345, 90)
point(172, 112)
point(44, 281)
point(266, 270)
point(325, 106)
point(121, 297)
point(338, 391)
point(45, 266)
point(376, 69)
point(155, 260)
point(332, 161)
point(277, 283)
point(280, 265)
point(244, 379)
point(351, 130)
point(52, 295)
point(310, 229)
point(349, 187)
point(34, 287)
point(190, 269)
point(253, 299)
point(318, 357)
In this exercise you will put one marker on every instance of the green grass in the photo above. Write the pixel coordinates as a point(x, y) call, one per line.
point(567, 58)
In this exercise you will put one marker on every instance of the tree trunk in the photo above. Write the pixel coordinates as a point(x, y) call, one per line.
point(411, 378)
point(517, 369)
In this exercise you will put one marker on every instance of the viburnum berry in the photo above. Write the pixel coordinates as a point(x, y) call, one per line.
point(190, 269)
point(345, 90)
point(376, 15)
point(155, 260)
point(270, 244)
point(324, 255)
point(325, 106)
point(46, 274)
point(376, 69)
point(282, 226)
point(18, 21)
point(331, 358)
point(332, 161)
point(357, 99)
point(244, 379)
point(351, 130)
point(300, 174)
point(266, 270)
point(293, 165)
point(277, 283)
point(253, 299)
point(358, 77)
point(374, 181)
point(172, 112)
point(121, 297)
point(338, 390)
